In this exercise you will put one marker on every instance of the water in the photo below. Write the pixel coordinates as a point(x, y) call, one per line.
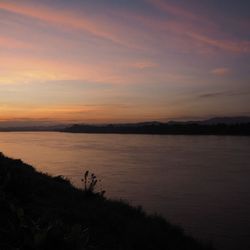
point(199, 182)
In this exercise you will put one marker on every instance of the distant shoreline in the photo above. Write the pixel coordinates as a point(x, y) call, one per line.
point(216, 126)
point(163, 129)
point(116, 133)
point(192, 130)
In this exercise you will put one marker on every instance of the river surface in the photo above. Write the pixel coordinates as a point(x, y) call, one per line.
point(201, 183)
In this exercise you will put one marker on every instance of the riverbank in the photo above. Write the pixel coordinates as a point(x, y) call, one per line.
point(43, 212)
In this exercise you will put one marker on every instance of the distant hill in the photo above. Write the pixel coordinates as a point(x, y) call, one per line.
point(215, 126)
point(217, 120)
point(32, 128)
point(227, 120)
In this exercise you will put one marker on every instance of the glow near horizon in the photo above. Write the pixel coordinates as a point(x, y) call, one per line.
point(115, 61)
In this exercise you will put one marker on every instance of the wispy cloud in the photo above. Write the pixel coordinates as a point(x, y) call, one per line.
point(223, 94)
point(16, 70)
point(212, 94)
point(228, 45)
point(8, 42)
point(144, 64)
point(174, 10)
point(72, 20)
point(198, 28)
point(183, 23)
point(221, 71)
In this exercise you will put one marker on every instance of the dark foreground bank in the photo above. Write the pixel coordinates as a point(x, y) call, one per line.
point(38, 211)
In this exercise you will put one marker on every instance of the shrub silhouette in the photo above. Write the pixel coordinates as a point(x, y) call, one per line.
point(90, 183)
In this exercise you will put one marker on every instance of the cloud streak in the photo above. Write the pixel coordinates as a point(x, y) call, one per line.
point(203, 33)
point(10, 43)
point(183, 22)
point(223, 94)
point(71, 20)
point(221, 71)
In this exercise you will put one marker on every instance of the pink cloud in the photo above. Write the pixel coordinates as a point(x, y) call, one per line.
point(10, 43)
point(67, 19)
point(220, 71)
point(198, 28)
point(195, 32)
point(173, 9)
point(146, 64)
point(229, 45)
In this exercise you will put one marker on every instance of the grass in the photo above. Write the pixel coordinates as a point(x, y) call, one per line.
point(38, 211)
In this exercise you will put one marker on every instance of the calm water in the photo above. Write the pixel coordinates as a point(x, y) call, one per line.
point(199, 182)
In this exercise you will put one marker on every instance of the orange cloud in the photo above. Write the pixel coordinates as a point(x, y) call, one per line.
point(78, 115)
point(51, 112)
point(220, 71)
point(146, 64)
point(90, 113)
point(15, 70)
point(7, 42)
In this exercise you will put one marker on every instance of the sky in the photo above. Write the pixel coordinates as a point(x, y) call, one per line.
point(98, 61)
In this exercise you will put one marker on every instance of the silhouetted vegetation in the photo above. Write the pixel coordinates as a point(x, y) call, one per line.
point(38, 211)
point(90, 182)
point(164, 128)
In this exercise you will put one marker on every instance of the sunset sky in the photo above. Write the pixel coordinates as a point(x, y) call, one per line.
point(123, 61)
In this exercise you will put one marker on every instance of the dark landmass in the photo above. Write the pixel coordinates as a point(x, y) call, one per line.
point(213, 126)
point(171, 128)
point(33, 128)
point(38, 211)
point(227, 120)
